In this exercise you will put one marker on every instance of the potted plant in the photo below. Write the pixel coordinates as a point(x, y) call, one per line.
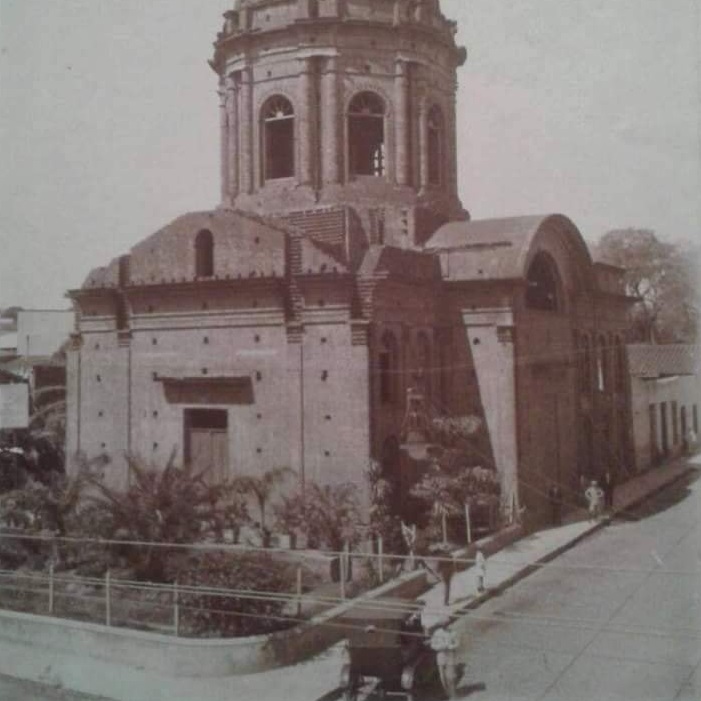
point(289, 519)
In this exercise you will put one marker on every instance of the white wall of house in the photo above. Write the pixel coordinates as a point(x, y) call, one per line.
point(666, 399)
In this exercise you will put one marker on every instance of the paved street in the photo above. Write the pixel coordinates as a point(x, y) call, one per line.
point(16, 690)
point(613, 618)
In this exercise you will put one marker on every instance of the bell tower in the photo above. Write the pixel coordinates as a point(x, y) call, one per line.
point(341, 105)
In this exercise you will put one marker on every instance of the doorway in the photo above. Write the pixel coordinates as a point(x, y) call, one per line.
point(207, 442)
point(665, 428)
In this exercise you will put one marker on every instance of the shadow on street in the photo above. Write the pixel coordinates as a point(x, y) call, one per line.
point(666, 499)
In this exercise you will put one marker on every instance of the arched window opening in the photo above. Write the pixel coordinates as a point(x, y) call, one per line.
point(389, 369)
point(423, 363)
point(586, 367)
point(602, 370)
point(278, 129)
point(543, 284)
point(366, 135)
point(434, 139)
point(621, 366)
point(204, 254)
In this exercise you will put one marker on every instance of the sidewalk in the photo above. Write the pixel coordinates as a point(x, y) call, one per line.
point(520, 559)
point(318, 678)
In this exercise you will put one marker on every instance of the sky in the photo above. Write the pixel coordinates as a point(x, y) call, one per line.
point(109, 122)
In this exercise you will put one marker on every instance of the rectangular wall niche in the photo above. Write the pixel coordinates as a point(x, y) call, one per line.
point(206, 391)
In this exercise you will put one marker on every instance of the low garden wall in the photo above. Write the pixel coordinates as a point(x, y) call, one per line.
point(189, 657)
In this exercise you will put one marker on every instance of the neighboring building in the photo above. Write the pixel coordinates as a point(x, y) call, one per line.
point(38, 337)
point(14, 401)
point(665, 395)
point(8, 344)
point(285, 327)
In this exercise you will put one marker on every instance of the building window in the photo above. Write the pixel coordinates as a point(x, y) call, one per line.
point(665, 428)
point(423, 363)
point(654, 445)
point(675, 424)
point(621, 366)
point(434, 140)
point(543, 284)
point(695, 418)
point(389, 369)
point(587, 370)
point(366, 135)
point(204, 254)
point(603, 380)
point(278, 127)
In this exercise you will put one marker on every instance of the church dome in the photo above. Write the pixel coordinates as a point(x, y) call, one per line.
point(341, 105)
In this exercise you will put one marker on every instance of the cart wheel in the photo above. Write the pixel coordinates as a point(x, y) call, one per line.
point(350, 693)
point(448, 680)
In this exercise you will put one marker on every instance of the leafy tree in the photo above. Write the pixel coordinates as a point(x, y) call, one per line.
point(664, 277)
point(262, 488)
point(170, 505)
point(50, 506)
point(384, 521)
point(46, 506)
point(329, 515)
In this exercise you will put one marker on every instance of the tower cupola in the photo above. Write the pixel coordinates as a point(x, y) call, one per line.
point(341, 103)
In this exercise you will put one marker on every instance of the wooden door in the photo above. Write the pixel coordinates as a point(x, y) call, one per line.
point(207, 442)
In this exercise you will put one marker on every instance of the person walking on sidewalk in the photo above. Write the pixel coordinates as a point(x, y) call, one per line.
point(594, 496)
point(555, 499)
point(480, 571)
point(446, 570)
point(609, 485)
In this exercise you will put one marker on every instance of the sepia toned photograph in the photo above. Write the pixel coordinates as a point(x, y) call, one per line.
point(349, 350)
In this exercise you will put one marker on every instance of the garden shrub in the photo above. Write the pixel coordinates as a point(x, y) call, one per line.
point(210, 615)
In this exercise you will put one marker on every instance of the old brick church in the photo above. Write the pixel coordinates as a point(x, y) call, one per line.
point(285, 326)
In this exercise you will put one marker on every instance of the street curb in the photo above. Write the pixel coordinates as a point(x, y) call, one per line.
point(499, 589)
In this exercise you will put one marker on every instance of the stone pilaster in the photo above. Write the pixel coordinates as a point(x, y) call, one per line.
point(246, 131)
point(451, 145)
point(492, 339)
point(423, 144)
point(306, 121)
point(232, 88)
point(330, 123)
point(401, 121)
point(224, 147)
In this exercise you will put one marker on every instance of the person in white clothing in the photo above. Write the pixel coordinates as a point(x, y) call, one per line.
point(594, 496)
point(480, 570)
point(445, 643)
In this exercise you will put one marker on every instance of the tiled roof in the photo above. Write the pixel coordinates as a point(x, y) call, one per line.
point(650, 360)
point(9, 378)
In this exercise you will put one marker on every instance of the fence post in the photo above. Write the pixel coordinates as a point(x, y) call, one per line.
point(380, 558)
point(108, 602)
point(467, 524)
point(51, 589)
point(176, 609)
point(342, 571)
point(299, 591)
